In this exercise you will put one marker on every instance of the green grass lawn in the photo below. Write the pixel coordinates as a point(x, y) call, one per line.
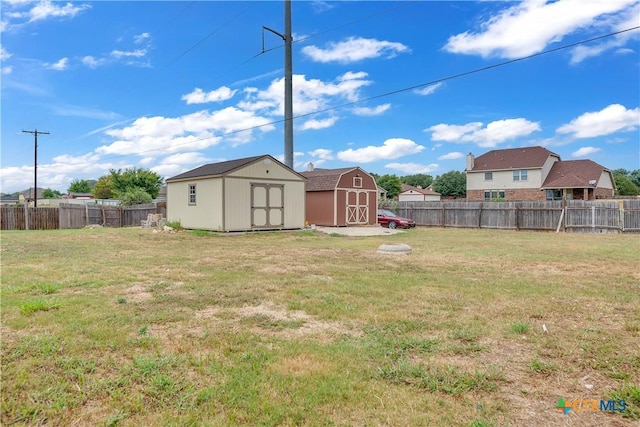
point(130, 327)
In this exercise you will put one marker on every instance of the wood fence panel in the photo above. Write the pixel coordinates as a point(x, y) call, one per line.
point(43, 218)
point(631, 216)
point(498, 215)
point(71, 216)
point(12, 218)
point(539, 215)
point(593, 216)
point(133, 215)
point(423, 213)
point(462, 214)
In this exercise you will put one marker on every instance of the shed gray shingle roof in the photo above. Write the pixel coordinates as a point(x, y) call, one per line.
point(216, 169)
point(324, 179)
point(573, 174)
point(512, 158)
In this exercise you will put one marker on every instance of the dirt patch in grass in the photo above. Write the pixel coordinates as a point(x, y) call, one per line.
point(272, 319)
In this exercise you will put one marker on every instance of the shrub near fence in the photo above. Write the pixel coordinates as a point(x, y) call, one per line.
point(576, 216)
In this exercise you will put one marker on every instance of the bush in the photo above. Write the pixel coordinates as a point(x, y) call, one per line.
point(135, 196)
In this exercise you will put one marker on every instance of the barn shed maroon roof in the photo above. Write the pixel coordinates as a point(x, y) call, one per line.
point(324, 179)
point(512, 158)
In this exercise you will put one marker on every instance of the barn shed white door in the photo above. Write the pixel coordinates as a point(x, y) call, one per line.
point(357, 207)
point(267, 205)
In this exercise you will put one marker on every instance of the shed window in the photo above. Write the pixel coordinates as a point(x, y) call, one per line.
point(192, 194)
point(357, 182)
point(488, 176)
point(520, 175)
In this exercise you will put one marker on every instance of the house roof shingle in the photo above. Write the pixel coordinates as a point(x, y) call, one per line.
point(216, 169)
point(574, 174)
point(426, 191)
point(512, 158)
point(324, 179)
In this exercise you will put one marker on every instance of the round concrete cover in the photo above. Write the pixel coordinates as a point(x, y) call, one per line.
point(394, 248)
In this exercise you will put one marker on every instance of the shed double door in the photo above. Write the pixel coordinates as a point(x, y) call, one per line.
point(267, 205)
point(357, 207)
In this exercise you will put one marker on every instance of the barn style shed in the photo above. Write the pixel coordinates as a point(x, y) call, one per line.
point(254, 193)
point(340, 197)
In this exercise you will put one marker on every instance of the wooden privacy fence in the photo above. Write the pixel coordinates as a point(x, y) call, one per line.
point(575, 216)
point(76, 216)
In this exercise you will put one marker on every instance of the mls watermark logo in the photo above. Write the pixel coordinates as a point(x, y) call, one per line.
point(590, 405)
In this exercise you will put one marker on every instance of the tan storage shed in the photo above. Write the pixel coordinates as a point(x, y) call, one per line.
point(341, 197)
point(254, 193)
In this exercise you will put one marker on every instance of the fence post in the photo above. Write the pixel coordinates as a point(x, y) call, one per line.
point(86, 214)
point(593, 217)
point(480, 215)
point(26, 216)
point(517, 221)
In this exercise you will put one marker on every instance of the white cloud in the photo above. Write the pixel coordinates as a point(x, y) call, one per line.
point(6, 70)
point(428, 90)
point(585, 151)
point(320, 6)
point(141, 38)
point(4, 55)
point(91, 62)
point(308, 95)
point(318, 124)
point(493, 134)
point(626, 19)
point(354, 49)
point(510, 34)
point(451, 156)
point(46, 9)
point(61, 65)
point(412, 168)
point(138, 53)
point(194, 131)
point(322, 153)
point(375, 111)
point(392, 148)
point(611, 119)
point(198, 96)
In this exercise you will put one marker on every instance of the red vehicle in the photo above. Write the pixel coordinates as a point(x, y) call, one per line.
point(389, 219)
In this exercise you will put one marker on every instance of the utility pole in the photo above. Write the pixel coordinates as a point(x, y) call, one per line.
point(288, 84)
point(35, 134)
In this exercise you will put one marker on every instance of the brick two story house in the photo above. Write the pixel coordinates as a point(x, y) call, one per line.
point(535, 173)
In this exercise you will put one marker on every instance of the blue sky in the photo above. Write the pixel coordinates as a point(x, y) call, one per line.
point(169, 86)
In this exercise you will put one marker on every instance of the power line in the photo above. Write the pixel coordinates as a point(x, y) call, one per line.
point(394, 92)
point(385, 94)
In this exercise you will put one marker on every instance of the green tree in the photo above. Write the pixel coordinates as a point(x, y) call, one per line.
point(391, 183)
point(130, 179)
point(48, 193)
point(624, 184)
point(135, 196)
point(418, 180)
point(635, 177)
point(103, 189)
point(452, 184)
point(79, 186)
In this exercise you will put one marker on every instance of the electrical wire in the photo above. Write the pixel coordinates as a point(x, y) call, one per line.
point(389, 93)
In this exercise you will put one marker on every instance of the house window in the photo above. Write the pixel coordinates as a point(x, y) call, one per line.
point(554, 194)
point(493, 194)
point(357, 182)
point(520, 175)
point(488, 176)
point(192, 194)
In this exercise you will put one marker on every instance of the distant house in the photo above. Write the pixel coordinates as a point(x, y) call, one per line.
point(340, 197)
point(80, 196)
point(535, 173)
point(254, 193)
point(410, 193)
